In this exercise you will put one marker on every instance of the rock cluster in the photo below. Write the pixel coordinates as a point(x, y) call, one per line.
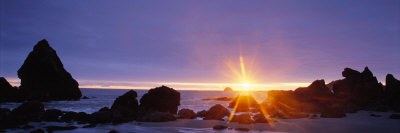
point(358, 90)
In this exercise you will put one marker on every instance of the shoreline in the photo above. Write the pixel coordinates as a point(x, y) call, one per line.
point(354, 122)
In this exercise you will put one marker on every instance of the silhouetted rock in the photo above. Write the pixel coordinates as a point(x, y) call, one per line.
point(58, 128)
point(219, 127)
point(85, 97)
point(125, 107)
point(314, 98)
point(358, 88)
point(103, 116)
point(392, 93)
point(112, 131)
point(69, 116)
point(216, 112)
point(5, 116)
point(161, 99)
point(29, 111)
point(242, 119)
point(44, 78)
point(202, 113)
point(243, 103)
point(52, 115)
point(228, 89)
point(186, 114)
point(157, 117)
point(7, 92)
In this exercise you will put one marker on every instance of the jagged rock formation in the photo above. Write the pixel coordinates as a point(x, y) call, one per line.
point(8, 93)
point(125, 107)
point(44, 78)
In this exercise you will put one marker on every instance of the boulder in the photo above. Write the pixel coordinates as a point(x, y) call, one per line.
point(201, 113)
point(242, 119)
point(186, 114)
point(157, 117)
point(29, 111)
point(7, 92)
point(125, 107)
point(69, 116)
point(392, 92)
point(216, 112)
point(44, 78)
point(103, 116)
point(219, 127)
point(243, 103)
point(161, 99)
point(52, 115)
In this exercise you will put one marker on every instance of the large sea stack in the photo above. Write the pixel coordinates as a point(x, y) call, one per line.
point(44, 78)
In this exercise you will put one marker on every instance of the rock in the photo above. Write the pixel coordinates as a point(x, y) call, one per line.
point(216, 112)
point(125, 107)
point(44, 78)
point(242, 129)
point(112, 131)
point(395, 116)
point(52, 115)
point(29, 111)
point(392, 92)
point(374, 115)
point(219, 99)
point(360, 89)
point(38, 131)
point(161, 99)
point(186, 114)
point(104, 109)
point(157, 117)
point(228, 89)
point(58, 128)
point(201, 113)
point(243, 103)
point(219, 127)
point(103, 116)
point(260, 118)
point(82, 117)
point(69, 116)
point(85, 97)
point(7, 92)
point(242, 119)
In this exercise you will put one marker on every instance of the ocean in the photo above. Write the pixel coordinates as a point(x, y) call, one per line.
point(99, 98)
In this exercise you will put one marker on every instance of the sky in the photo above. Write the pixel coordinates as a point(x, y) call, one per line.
point(187, 44)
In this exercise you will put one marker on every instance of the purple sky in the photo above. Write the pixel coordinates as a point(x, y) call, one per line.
point(196, 41)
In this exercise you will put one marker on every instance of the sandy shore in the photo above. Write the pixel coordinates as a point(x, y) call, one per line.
point(357, 122)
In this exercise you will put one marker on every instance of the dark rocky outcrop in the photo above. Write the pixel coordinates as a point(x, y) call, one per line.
point(59, 128)
point(202, 113)
point(358, 88)
point(125, 107)
point(44, 78)
point(216, 112)
point(243, 103)
point(8, 93)
point(161, 99)
point(219, 127)
point(29, 111)
point(392, 93)
point(52, 115)
point(186, 114)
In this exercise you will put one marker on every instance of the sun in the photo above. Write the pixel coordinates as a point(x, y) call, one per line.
point(245, 85)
